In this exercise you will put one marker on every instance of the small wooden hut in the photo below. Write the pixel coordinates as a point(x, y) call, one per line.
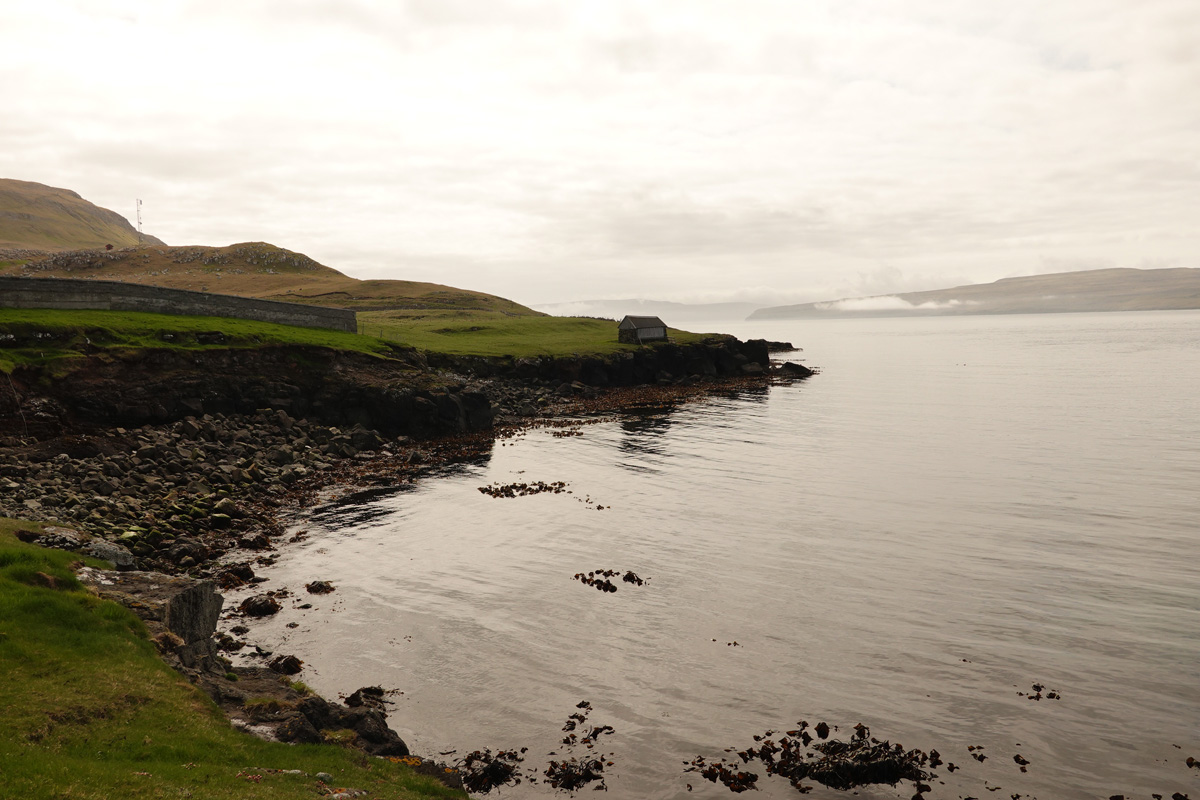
point(639, 330)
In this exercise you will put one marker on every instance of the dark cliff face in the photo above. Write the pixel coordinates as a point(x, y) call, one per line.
point(159, 386)
point(408, 398)
point(660, 363)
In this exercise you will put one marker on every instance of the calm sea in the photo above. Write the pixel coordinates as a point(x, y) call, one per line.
point(953, 511)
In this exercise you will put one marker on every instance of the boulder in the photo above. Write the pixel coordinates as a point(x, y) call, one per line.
point(286, 665)
point(790, 369)
point(119, 556)
point(260, 605)
point(193, 611)
point(297, 728)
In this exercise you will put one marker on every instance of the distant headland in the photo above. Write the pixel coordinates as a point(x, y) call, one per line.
point(1089, 290)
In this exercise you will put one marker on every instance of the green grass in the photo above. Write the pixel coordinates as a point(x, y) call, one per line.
point(40, 335)
point(43, 335)
point(492, 334)
point(91, 712)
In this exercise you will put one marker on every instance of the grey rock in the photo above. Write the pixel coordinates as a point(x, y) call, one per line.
point(120, 557)
point(793, 370)
point(297, 728)
point(192, 613)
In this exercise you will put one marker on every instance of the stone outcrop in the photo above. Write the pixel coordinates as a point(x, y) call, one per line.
point(180, 613)
point(718, 357)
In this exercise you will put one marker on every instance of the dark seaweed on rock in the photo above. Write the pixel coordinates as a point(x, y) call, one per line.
point(601, 579)
point(523, 489)
point(570, 772)
point(484, 770)
point(860, 761)
point(1051, 694)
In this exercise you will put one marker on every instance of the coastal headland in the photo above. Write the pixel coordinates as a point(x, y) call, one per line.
point(179, 465)
point(150, 461)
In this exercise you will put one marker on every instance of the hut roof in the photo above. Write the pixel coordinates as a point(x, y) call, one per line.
point(642, 322)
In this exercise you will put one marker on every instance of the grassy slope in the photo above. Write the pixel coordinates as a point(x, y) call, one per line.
point(492, 334)
point(258, 269)
point(90, 711)
point(40, 335)
point(42, 217)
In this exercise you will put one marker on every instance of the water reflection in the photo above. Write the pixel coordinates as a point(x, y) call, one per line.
point(369, 507)
point(642, 435)
point(643, 430)
point(358, 509)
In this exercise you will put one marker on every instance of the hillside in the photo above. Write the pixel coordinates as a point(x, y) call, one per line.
point(257, 269)
point(38, 217)
point(1090, 290)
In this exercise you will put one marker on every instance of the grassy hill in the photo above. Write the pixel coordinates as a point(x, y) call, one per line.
point(428, 316)
point(53, 233)
point(38, 217)
point(258, 269)
point(1089, 290)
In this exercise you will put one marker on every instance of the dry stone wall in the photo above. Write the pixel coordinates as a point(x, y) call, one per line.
point(68, 293)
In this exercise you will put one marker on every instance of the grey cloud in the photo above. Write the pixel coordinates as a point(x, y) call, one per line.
point(869, 145)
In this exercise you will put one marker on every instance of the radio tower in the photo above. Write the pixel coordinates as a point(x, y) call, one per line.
point(139, 216)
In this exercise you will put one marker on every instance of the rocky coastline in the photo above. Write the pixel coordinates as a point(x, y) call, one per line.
point(180, 471)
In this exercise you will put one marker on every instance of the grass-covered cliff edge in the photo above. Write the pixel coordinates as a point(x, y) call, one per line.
point(69, 368)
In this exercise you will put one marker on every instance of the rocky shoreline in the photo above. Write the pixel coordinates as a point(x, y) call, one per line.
point(186, 505)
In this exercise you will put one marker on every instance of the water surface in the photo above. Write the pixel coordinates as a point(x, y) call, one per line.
point(952, 511)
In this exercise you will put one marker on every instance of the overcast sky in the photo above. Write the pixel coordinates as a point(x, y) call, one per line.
point(767, 150)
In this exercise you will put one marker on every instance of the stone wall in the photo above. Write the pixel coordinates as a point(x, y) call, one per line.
point(67, 293)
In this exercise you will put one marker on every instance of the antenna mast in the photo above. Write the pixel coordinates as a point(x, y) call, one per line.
point(139, 218)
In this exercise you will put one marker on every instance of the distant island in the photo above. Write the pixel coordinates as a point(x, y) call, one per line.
point(1089, 290)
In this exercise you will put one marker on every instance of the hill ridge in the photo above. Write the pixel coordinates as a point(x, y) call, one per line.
point(1109, 289)
point(259, 270)
point(34, 216)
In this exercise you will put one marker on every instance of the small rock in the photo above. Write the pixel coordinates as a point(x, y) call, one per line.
point(286, 665)
point(260, 605)
point(369, 696)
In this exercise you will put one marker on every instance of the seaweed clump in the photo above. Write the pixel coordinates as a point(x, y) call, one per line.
point(484, 770)
point(571, 772)
point(838, 764)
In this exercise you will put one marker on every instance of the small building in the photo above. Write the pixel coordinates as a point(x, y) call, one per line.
point(639, 330)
